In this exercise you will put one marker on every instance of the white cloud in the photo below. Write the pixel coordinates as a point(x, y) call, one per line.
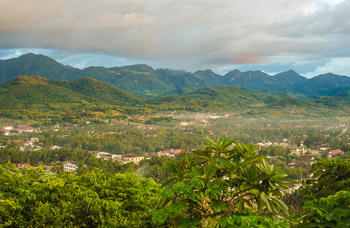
point(340, 66)
point(331, 2)
point(188, 34)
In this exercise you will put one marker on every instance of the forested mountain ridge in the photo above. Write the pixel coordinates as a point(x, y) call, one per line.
point(35, 92)
point(148, 82)
point(40, 94)
point(24, 92)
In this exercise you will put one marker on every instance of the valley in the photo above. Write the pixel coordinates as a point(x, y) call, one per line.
point(70, 125)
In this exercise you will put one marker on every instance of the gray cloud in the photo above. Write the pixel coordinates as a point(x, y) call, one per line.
point(184, 33)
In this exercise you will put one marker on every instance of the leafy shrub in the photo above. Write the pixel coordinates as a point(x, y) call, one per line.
point(226, 178)
point(333, 211)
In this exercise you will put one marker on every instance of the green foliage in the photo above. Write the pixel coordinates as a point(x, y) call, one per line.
point(329, 176)
point(333, 211)
point(48, 93)
point(33, 198)
point(101, 91)
point(220, 180)
point(245, 221)
point(71, 99)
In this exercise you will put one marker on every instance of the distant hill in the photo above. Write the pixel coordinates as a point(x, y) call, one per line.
point(41, 93)
point(25, 92)
point(324, 85)
point(254, 80)
point(148, 82)
point(213, 98)
point(32, 64)
point(98, 90)
point(66, 96)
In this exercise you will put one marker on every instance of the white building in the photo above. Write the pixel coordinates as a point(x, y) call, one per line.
point(70, 167)
point(107, 156)
point(133, 158)
point(8, 127)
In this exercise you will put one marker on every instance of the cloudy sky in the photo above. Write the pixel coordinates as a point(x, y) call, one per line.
point(309, 36)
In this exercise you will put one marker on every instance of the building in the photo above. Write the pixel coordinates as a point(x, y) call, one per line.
point(334, 153)
point(69, 167)
point(25, 129)
point(185, 123)
point(34, 140)
point(24, 165)
point(299, 151)
point(108, 156)
point(54, 147)
point(169, 152)
point(135, 158)
point(8, 127)
point(5, 132)
point(27, 145)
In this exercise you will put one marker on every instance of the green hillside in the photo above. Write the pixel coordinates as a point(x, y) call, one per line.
point(31, 64)
point(101, 91)
point(26, 92)
point(145, 81)
point(43, 95)
point(31, 97)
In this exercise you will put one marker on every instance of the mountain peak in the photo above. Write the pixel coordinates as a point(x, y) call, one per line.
point(329, 74)
point(33, 55)
point(291, 71)
point(138, 68)
point(207, 71)
point(29, 54)
point(290, 74)
point(233, 73)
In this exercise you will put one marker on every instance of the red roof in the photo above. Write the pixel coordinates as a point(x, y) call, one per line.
point(336, 152)
point(166, 152)
point(25, 128)
point(23, 165)
point(178, 151)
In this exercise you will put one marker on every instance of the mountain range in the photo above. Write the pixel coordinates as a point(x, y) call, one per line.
point(44, 95)
point(145, 81)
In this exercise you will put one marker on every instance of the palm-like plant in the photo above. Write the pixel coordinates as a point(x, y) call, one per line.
point(222, 179)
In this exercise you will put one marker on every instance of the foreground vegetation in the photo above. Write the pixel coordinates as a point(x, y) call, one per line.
point(219, 186)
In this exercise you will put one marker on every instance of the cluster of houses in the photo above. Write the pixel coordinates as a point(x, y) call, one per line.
point(302, 150)
point(67, 166)
point(136, 158)
point(8, 129)
point(32, 144)
point(131, 157)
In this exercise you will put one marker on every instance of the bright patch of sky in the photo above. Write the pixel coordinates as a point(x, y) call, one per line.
point(340, 66)
point(331, 2)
